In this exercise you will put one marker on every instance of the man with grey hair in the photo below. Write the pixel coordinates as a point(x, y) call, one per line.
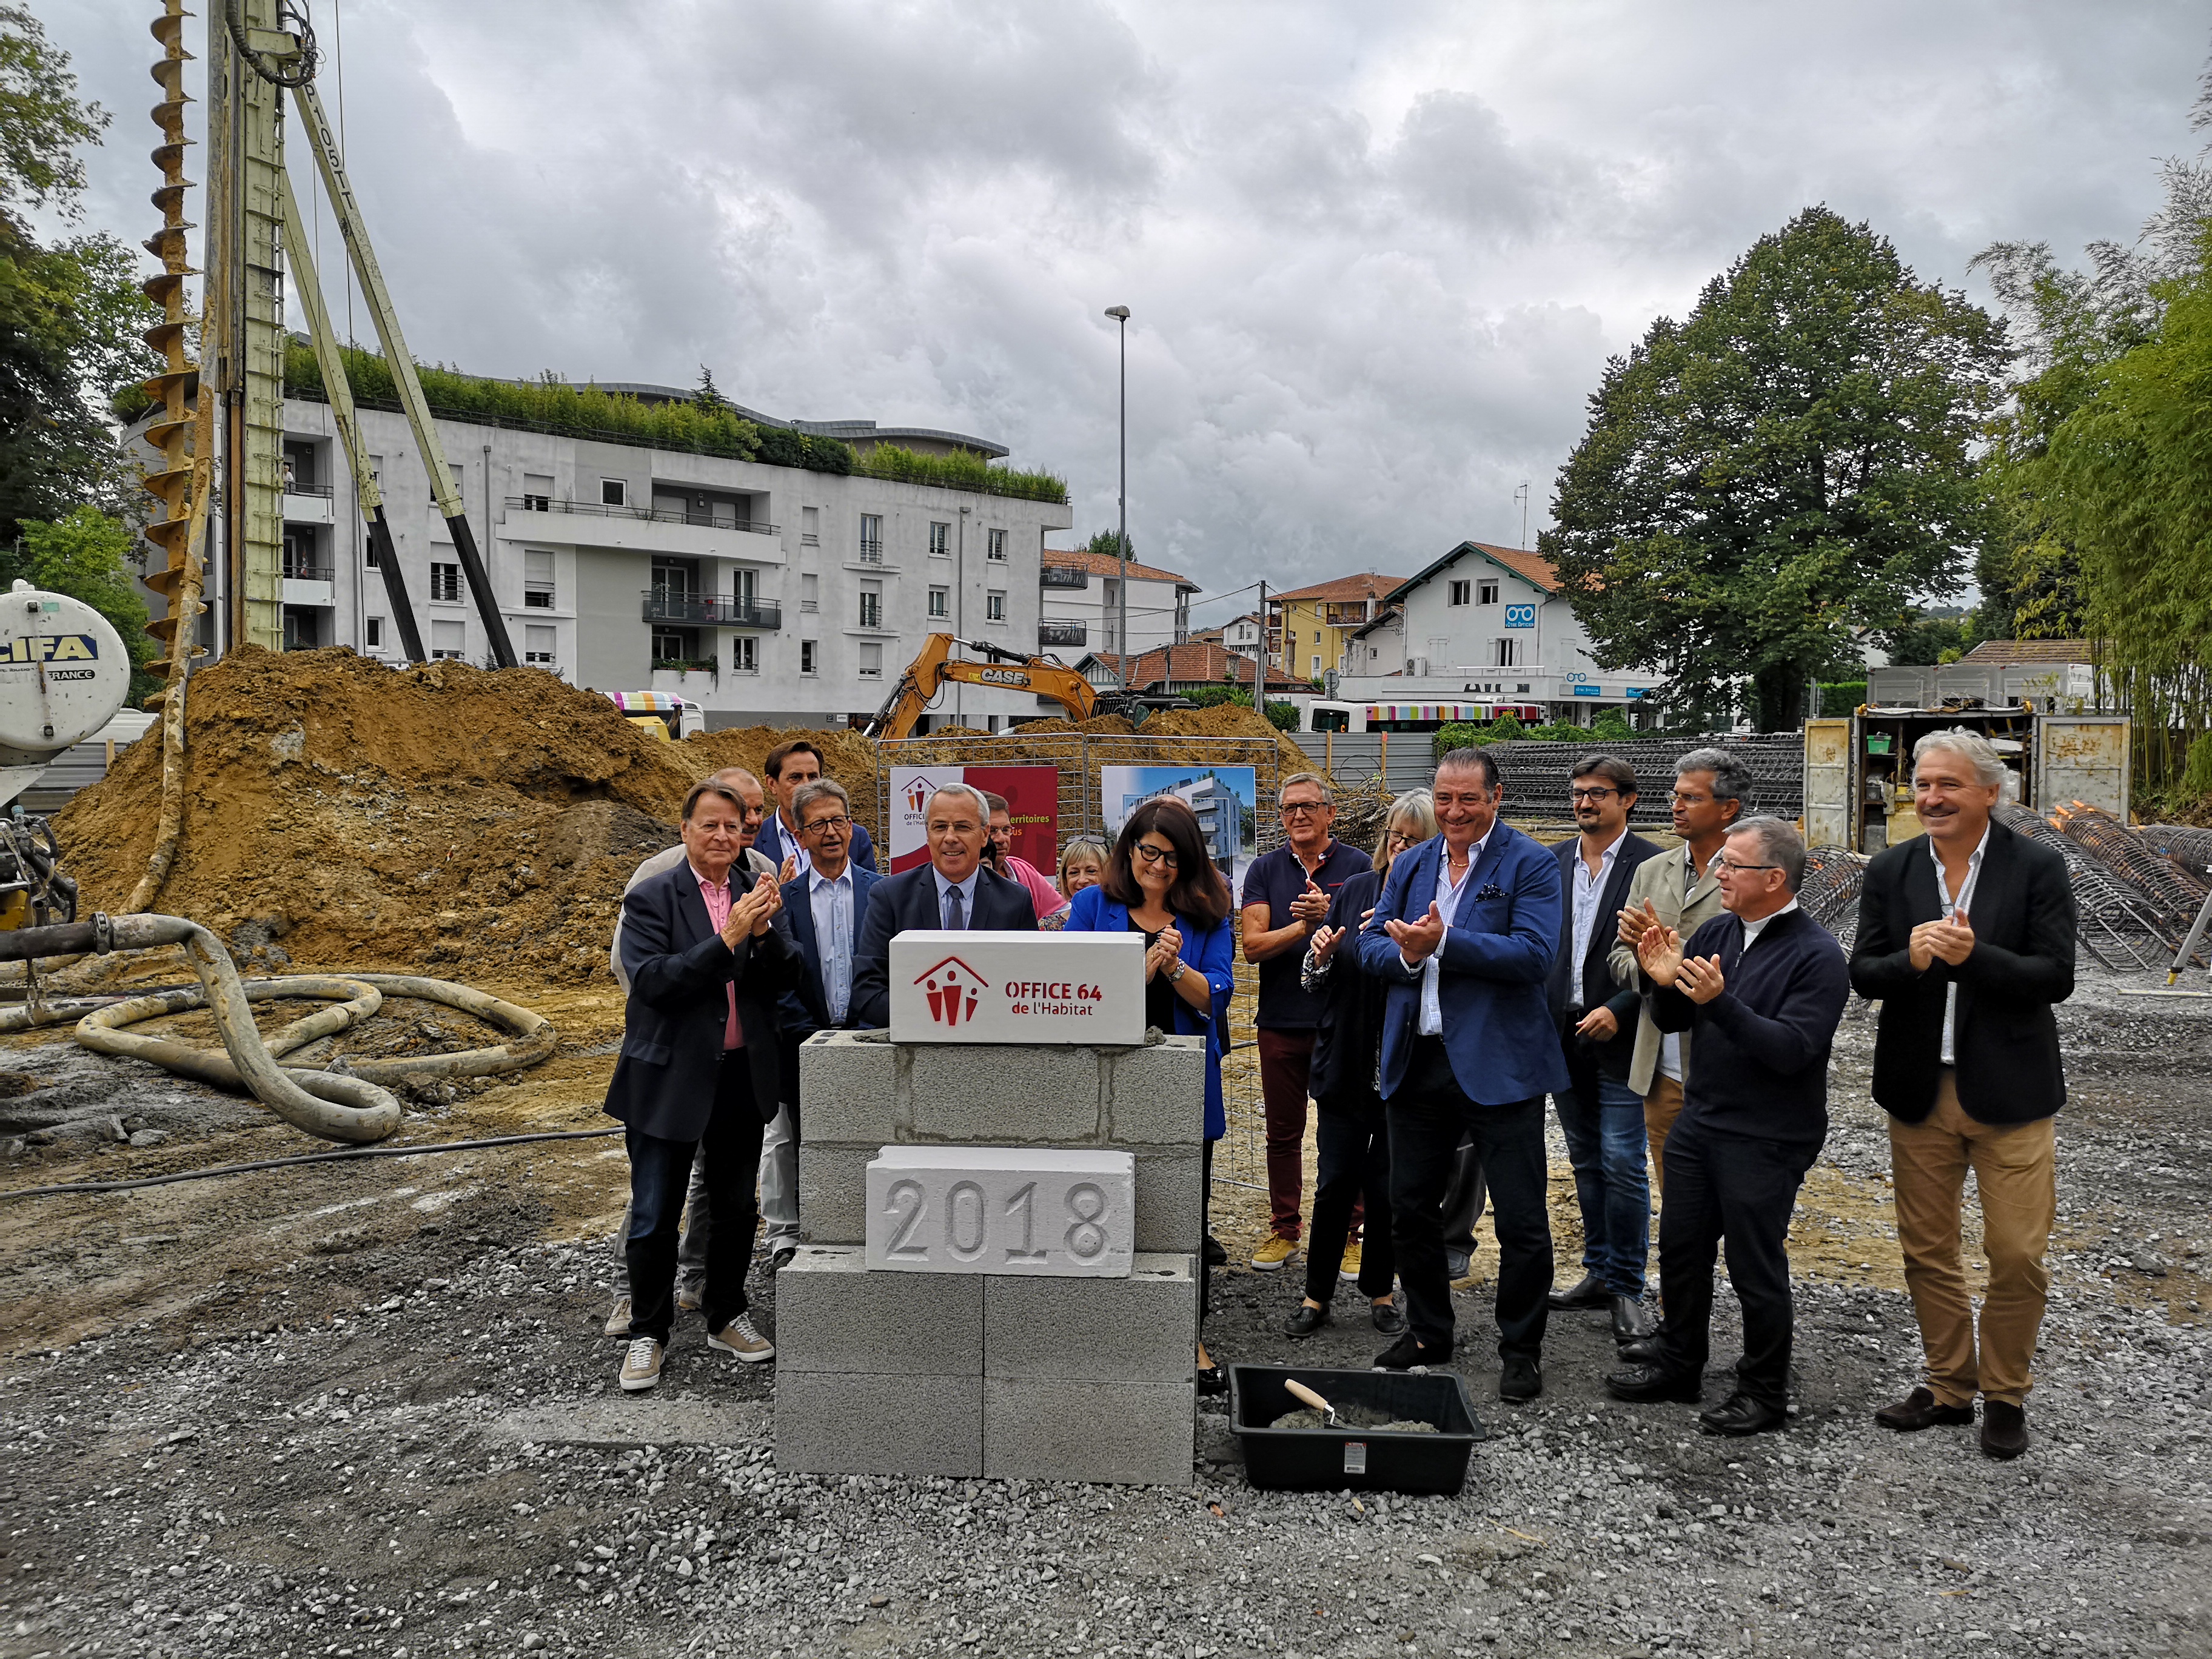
point(955, 889)
point(1764, 986)
point(1966, 938)
point(1681, 891)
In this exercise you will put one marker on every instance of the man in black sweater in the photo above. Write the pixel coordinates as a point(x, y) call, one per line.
point(1763, 987)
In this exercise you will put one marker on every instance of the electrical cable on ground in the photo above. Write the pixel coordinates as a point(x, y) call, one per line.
point(214, 1170)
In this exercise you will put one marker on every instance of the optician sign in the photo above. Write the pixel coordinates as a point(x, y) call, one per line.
point(976, 987)
point(1520, 616)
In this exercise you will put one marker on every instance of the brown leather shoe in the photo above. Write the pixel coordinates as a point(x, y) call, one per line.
point(1919, 1410)
point(2004, 1429)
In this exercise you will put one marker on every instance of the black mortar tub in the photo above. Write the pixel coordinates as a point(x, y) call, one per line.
point(1347, 1459)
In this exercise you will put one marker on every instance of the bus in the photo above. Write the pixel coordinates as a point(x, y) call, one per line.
point(1416, 716)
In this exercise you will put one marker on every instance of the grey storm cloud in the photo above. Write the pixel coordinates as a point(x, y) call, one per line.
point(1376, 255)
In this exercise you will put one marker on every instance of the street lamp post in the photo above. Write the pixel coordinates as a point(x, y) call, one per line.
point(1121, 315)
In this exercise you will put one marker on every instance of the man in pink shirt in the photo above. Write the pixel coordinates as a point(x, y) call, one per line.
point(1043, 893)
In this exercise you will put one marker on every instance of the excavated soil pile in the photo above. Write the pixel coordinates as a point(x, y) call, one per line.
point(1049, 738)
point(847, 757)
point(441, 817)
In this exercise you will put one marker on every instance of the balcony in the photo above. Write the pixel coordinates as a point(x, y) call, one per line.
point(646, 515)
point(1344, 615)
point(536, 520)
point(1055, 635)
point(710, 611)
point(307, 503)
point(1053, 575)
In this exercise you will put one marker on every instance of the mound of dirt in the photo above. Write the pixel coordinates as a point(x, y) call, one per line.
point(1155, 744)
point(442, 817)
point(847, 757)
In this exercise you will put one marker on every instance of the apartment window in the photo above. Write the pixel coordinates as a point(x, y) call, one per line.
point(539, 644)
point(375, 633)
point(744, 654)
point(679, 645)
point(994, 546)
point(1461, 594)
point(871, 539)
point(446, 584)
point(1504, 653)
point(872, 606)
point(368, 559)
point(994, 606)
point(810, 526)
point(871, 662)
point(810, 593)
point(1316, 662)
point(449, 641)
point(940, 603)
point(614, 492)
point(538, 580)
point(1489, 594)
point(538, 492)
point(806, 658)
point(460, 481)
point(299, 557)
point(940, 540)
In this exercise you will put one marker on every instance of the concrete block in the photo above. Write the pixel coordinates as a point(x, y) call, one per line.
point(1137, 1433)
point(1143, 1328)
point(833, 1423)
point(847, 1088)
point(1156, 1095)
point(998, 1097)
point(1170, 1198)
point(833, 1193)
point(832, 1314)
point(1025, 1210)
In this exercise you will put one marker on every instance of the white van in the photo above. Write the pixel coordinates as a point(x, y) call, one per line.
point(675, 717)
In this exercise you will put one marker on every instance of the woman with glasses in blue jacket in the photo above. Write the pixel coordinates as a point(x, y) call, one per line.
point(1160, 882)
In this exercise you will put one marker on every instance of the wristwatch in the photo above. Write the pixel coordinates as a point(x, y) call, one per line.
point(1176, 973)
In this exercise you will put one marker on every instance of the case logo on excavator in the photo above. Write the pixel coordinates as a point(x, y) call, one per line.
point(1005, 677)
point(49, 647)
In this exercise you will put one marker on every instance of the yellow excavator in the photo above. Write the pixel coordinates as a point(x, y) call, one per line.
point(935, 667)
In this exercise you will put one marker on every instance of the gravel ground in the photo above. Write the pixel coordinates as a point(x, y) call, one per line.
point(368, 1412)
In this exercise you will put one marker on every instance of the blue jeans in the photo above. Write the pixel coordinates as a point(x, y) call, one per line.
point(1603, 1120)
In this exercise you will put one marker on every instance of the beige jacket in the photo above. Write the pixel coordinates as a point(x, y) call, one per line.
point(1660, 880)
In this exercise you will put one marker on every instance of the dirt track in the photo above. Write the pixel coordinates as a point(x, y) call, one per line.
point(364, 1408)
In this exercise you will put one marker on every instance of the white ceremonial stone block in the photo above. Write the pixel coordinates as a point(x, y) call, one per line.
point(1027, 1210)
point(1018, 987)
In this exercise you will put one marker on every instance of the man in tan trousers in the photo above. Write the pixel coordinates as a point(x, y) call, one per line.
point(1679, 890)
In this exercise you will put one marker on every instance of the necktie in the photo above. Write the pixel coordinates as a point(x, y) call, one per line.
point(953, 917)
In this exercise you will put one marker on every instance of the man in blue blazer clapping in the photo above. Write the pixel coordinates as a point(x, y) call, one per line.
point(1463, 935)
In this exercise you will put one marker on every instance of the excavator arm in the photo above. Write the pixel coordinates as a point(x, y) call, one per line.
point(935, 667)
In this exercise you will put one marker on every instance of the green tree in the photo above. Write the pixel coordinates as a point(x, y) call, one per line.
point(1108, 545)
point(1791, 464)
point(83, 555)
point(1922, 640)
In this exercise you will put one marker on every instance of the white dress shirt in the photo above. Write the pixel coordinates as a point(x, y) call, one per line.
point(967, 895)
point(1670, 1042)
point(1431, 967)
point(1588, 890)
point(1751, 930)
point(831, 902)
point(1951, 905)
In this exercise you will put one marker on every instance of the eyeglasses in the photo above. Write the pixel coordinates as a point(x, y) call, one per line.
point(1590, 795)
point(1681, 799)
point(1292, 808)
point(816, 826)
point(1730, 864)
point(1151, 855)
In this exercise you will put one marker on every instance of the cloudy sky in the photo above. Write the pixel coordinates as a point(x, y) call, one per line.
point(1377, 254)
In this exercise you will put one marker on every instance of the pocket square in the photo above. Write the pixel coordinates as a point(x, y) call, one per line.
point(1489, 889)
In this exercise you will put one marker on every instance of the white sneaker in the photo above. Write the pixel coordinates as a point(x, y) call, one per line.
point(617, 1325)
point(641, 1366)
point(742, 1338)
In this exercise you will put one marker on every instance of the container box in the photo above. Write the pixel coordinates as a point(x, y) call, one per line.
point(1354, 1460)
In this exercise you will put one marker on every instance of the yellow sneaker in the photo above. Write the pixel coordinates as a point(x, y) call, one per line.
point(1350, 1266)
point(1275, 1252)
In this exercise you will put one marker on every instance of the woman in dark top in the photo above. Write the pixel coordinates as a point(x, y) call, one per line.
point(1161, 883)
point(1354, 1143)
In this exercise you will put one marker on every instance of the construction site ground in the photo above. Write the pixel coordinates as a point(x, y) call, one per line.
point(365, 1408)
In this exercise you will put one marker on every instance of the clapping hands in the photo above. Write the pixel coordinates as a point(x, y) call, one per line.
point(1659, 954)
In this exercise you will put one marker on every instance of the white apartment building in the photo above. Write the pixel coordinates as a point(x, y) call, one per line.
point(1484, 621)
point(1243, 636)
point(1081, 604)
point(766, 594)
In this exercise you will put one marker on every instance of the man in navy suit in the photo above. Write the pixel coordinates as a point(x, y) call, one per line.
point(1601, 1115)
point(701, 1067)
point(954, 889)
point(1463, 935)
point(790, 768)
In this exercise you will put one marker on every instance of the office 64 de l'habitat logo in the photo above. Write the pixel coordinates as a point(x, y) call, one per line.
point(953, 989)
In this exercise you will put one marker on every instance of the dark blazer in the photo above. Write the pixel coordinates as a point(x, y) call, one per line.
point(798, 917)
point(1497, 955)
point(1598, 988)
point(2006, 1042)
point(907, 902)
point(1350, 1034)
point(671, 1052)
point(779, 845)
point(1208, 951)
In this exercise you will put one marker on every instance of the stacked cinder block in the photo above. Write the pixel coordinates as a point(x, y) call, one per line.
point(980, 1374)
